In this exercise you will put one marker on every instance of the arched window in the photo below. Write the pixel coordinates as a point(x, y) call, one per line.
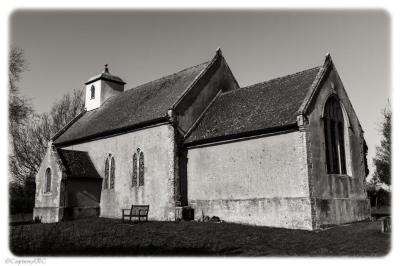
point(112, 173)
point(47, 180)
point(109, 173)
point(334, 137)
point(106, 173)
point(92, 92)
point(141, 169)
point(134, 170)
point(138, 168)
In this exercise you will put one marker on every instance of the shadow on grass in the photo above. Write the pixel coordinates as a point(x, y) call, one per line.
point(108, 237)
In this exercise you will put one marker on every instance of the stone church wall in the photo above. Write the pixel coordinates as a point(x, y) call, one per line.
point(157, 144)
point(338, 198)
point(49, 205)
point(260, 181)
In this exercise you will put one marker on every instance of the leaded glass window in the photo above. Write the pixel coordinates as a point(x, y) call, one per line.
point(47, 180)
point(106, 173)
point(134, 170)
point(112, 173)
point(334, 137)
point(141, 169)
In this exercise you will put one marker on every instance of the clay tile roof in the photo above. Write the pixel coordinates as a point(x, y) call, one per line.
point(132, 107)
point(78, 164)
point(261, 106)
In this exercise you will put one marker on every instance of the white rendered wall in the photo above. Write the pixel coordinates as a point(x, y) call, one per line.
point(103, 90)
point(157, 144)
point(91, 104)
point(262, 181)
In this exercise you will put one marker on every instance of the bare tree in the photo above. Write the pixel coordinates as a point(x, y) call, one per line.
point(29, 132)
point(64, 110)
point(29, 146)
point(30, 143)
point(19, 110)
point(19, 107)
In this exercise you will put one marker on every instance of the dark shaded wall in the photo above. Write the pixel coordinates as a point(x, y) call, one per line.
point(217, 78)
point(83, 198)
point(84, 192)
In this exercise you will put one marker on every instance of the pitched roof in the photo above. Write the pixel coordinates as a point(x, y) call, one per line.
point(132, 107)
point(106, 76)
point(78, 164)
point(261, 106)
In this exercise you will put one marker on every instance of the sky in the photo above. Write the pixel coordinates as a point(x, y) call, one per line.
point(65, 48)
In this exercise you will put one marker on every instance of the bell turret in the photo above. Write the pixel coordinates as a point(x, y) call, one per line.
point(101, 87)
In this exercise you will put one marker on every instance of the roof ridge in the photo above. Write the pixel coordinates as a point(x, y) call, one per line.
point(167, 76)
point(149, 82)
point(273, 79)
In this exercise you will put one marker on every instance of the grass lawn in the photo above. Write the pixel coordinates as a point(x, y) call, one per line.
point(111, 237)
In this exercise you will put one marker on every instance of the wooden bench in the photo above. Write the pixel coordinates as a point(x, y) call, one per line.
point(135, 211)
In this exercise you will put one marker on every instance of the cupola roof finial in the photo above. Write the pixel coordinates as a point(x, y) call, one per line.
point(106, 69)
point(106, 75)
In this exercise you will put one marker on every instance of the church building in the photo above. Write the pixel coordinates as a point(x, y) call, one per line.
point(288, 152)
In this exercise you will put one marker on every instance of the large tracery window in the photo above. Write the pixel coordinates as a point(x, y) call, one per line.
point(334, 137)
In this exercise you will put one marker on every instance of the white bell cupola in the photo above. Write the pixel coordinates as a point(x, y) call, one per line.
point(101, 87)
